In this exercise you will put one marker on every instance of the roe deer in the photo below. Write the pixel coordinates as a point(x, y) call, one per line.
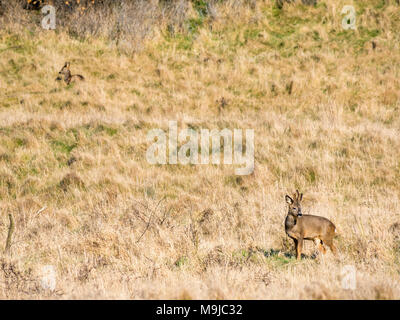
point(301, 227)
point(68, 77)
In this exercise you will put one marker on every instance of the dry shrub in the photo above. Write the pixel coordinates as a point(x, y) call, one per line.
point(125, 23)
point(318, 291)
point(389, 97)
point(383, 292)
point(205, 221)
point(215, 235)
point(215, 256)
point(395, 230)
point(14, 280)
point(71, 179)
point(7, 184)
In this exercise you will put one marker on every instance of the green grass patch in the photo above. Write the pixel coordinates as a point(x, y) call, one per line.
point(63, 146)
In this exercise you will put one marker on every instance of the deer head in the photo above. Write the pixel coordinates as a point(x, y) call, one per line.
point(294, 204)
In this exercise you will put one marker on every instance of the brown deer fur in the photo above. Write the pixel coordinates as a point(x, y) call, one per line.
point(68, 77)
point(301, 227)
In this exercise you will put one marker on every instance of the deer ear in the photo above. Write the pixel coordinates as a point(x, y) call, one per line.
point(288, 199)
point(66, 65)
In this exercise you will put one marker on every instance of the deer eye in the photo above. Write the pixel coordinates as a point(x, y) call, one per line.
point(294, 209)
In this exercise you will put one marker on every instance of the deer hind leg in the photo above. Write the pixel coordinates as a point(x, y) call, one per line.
point(320, 245)
point(329, 243)
point(295, 245)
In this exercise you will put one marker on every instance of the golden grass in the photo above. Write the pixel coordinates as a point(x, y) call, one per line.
point(117, 227)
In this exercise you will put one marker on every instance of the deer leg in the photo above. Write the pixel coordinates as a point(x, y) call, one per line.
point(322, 248)
point(299, 247)
point(320, 245)
point(295, 244)
point(329, 243)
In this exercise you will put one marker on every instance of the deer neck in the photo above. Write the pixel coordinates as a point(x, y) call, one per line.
point(290, 221)
point(67, 76)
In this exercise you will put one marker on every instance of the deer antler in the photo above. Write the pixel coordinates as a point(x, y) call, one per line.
point(297, 196)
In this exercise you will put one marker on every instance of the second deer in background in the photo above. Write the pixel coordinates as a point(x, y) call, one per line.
point(68, 77)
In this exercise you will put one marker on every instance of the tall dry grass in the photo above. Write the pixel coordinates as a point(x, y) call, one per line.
point(114, 226)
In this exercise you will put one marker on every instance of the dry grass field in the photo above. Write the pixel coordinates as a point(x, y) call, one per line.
point(324, 106)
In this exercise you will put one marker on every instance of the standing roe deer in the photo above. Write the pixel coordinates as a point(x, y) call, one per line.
point(68, 77)
point(301, 227)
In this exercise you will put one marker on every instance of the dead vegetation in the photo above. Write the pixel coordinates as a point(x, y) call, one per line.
point(73, 173)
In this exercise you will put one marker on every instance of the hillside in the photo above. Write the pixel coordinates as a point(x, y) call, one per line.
point(324, 106)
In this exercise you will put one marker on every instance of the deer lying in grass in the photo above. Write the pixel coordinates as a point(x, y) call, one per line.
point(301, 227)
point(68, 77)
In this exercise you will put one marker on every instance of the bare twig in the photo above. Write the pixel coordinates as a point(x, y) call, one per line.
point(10, 233)
point(9, 48)
point(166, 214)
point(40, 211)
point(148, 223)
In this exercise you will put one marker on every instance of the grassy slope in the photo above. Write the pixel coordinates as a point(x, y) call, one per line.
point(335, 137)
